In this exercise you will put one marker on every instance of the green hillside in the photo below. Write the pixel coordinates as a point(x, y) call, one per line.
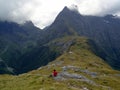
point(79, 69)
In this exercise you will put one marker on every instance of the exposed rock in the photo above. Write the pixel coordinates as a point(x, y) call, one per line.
point(70, 52)
point(65, 75)
point(93, 74)
point(85, 88)
point(117, 75)
point(65, 68)
point(59, 78)
point(58, 63)
point(69, 67)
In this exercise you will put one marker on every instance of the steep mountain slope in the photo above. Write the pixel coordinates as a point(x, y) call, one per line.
point(4, 68)
point(79, 69)
point(24, 48)
point(16, 40)
point(103, 30)
point(42, 55)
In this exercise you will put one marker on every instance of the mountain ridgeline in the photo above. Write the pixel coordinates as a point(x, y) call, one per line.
point(103, 31)
point(26, 47)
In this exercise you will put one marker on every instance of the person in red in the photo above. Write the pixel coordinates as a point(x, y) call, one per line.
point(55, 73)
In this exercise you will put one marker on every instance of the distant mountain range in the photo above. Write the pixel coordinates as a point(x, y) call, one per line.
point(26, 47)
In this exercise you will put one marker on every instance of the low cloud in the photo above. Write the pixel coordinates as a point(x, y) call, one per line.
point(43, 12)
point(98, 7)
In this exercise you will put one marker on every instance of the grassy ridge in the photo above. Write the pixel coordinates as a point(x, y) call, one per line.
point(78, 56)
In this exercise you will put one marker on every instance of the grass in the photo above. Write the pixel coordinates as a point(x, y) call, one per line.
point(81, 57)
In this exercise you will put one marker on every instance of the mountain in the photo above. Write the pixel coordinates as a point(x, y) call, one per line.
point(25, 47)
point(78, 69)
point(83, 49)
point(104, 31)
point(16, 40)
point(4, 68)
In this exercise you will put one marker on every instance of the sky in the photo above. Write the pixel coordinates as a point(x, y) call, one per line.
point(43, 12)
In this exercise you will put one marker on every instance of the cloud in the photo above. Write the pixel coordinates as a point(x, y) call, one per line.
point(98, 7)
point(43, 12)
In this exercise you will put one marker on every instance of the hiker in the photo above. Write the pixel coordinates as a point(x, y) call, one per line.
point(54, 73)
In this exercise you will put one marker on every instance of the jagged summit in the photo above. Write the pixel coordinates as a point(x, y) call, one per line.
point(74, 7)
point(65, 8)
point(68, 13)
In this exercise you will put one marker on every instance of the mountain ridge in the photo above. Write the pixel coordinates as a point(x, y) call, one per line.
point(78, 69)
point(83, 49)
point(18, 42)
point(99, 29)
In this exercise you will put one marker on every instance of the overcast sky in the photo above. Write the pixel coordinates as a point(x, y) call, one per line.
point(43, 12)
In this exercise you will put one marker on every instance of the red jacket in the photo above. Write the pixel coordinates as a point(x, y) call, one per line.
point(55, 73)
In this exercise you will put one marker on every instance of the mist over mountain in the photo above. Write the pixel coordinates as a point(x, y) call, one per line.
point(26, 47)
